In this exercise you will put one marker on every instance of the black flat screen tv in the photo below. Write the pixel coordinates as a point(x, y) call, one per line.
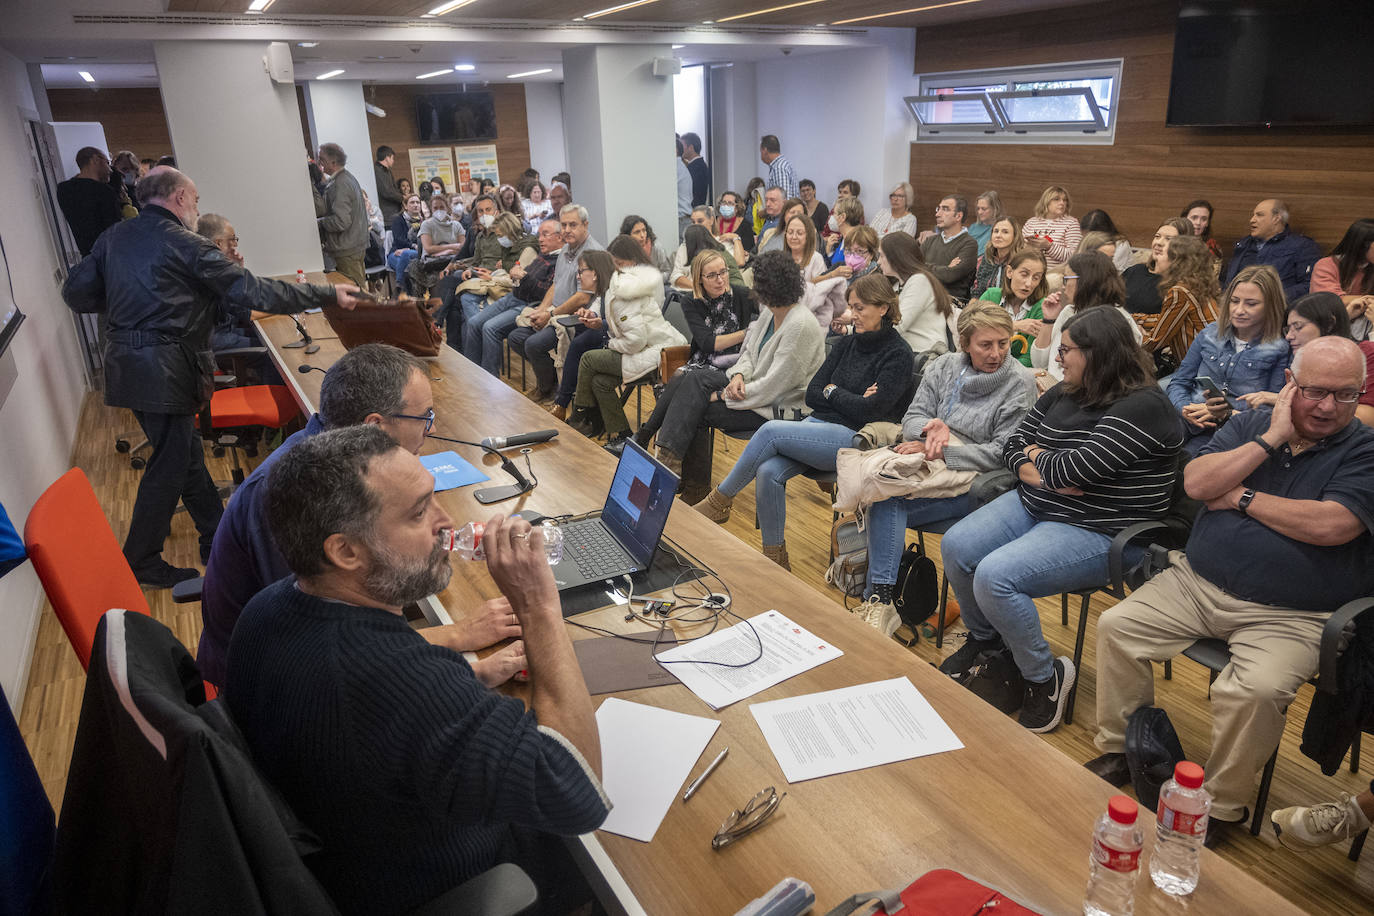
point(455, 116)
point(1272, 63)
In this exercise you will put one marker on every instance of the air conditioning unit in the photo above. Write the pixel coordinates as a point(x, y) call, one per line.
point(278, 64)
point(667, 66)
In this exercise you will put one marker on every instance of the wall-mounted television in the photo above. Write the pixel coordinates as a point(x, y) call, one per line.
point(455, 116)
point(1272, 63)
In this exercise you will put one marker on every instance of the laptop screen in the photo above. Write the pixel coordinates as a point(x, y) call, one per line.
point(639, 501)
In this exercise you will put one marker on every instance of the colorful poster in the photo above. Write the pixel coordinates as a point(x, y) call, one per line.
point(476, 162)
point(431, 162)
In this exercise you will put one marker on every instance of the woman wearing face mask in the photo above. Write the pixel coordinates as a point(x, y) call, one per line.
point(638, 228)
point(1052, 231)
point(636, 332)
point(1243, 351)
point(924, 303)
point(478, 305)
point(1022, 294)
point(1004, 240)
point(847, 214)
point(732, 226)
point(405, 236)
point(441, 238)
point(594, 272)
point(987, 211)
point(1090, 281)
point(1142, 280)
point(860, 259)
point(966, 408)
point(867, 377)
point(1309, 317)
point(1190, 302)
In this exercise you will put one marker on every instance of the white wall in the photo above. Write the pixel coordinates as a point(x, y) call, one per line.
point(735, 141)
point(689, 105)
point(238, 135)
point(41, 384)
point(544, 120)
point(73, 136)
point(334, 110)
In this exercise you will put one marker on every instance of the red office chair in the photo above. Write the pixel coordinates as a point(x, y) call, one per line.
point(237, 411)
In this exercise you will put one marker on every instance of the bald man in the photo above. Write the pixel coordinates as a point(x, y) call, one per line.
point(1271, 242)
point(1284, 540)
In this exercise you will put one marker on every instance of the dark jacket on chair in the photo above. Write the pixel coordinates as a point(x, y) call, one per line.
point(162, 289)
point(163, 812)
point(1337, 718)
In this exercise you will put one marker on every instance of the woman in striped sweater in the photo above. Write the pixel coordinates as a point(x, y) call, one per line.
point(1095, 455)
point(1051, 230)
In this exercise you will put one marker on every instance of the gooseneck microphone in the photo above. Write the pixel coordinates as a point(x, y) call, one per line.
point(306, 340)
point(543, 435)
point(306, 369)
point(494, 494)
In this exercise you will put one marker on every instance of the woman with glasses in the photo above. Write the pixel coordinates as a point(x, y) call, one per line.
point(1096, 453)
point(594, 272)
point(1090, 281)
point(867, 377)
point(1242, 352)
point(636, 332)
point(898, 217)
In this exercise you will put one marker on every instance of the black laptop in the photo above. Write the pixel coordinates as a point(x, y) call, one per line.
point(622, 540)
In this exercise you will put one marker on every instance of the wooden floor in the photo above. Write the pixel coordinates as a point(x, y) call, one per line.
point(1323, 881)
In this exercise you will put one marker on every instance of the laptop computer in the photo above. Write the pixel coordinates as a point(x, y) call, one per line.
point(622, 540)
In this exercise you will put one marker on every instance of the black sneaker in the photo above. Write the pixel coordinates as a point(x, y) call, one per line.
point(1043, 707)
point(164, 576)
point(960, 664)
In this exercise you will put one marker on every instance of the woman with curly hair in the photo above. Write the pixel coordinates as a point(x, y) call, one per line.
point(1190, 293)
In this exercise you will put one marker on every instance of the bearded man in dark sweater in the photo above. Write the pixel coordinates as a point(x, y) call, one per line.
point(415, 776)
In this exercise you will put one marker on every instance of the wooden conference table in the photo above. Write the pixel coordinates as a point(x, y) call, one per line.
point(1007, 809)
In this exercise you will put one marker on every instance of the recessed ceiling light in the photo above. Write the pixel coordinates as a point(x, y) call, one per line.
point(516, 76)
point(465, 68)
point(448, 7)
point(307, 44)
point(86, 76)
point(678, 47)
point(616, 9)
point(425, 76)
point(259, 6)
point(330, 75)
point(771, 9)
point(915, 9)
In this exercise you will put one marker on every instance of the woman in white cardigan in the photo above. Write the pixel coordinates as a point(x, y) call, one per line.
point(636, 333)
point(1090, 281)
point(925, 305)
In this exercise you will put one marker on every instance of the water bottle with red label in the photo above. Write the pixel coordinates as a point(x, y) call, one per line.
point(1115, 860)
point(1179, 830)
point(466, 542)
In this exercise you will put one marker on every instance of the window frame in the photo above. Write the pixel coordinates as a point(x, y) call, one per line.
point(1005, 129)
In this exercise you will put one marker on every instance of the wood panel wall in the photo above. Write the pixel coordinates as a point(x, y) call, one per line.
point(133, 118)
point(1151, 171)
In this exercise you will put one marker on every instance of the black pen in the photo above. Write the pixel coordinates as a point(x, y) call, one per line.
point(696, 783)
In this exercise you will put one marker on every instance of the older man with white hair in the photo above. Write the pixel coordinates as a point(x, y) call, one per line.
point(162, 287)
point(1284, 540)
point(342, 214)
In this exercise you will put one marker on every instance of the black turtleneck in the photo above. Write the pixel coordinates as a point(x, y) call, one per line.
point(854, 364)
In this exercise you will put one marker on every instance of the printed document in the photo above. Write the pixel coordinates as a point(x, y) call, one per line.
point(852, 728)
point(768, 648)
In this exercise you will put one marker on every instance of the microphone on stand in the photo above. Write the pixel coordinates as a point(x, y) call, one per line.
point(498, 442)
point(494, 494)
point(306, 340)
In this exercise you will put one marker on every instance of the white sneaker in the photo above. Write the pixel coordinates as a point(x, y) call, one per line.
point(864, 609)
point(885, 619)
point(1301, 827)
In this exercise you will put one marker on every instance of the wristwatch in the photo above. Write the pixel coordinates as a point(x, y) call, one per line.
point(1266, 446)
point(1243, 504)
point(826, 391)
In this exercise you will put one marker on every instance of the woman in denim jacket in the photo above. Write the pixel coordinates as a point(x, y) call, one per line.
point(1242, 352)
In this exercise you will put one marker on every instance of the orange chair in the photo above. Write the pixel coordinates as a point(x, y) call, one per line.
point(78, 560)
point(233, 411)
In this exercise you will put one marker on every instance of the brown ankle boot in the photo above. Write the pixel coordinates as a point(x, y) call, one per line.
point(716, 507)
point(778, 554)
point(670, 461)
point(559, 411)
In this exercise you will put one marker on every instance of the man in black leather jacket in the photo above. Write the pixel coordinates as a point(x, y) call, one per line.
point(162, 288)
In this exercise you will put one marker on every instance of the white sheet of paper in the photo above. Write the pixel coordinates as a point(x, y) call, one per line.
point(647, 754)
point(852, 728)
point(788, 650)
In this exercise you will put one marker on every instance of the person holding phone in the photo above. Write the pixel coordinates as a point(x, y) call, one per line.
point(1242, 352)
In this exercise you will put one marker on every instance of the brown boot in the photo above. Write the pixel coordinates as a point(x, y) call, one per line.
point(559, 411)
point(716, 507)
point(670, 461)
point(778, 554)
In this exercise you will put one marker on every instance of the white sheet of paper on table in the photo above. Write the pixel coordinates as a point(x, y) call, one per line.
point(788, 650)
point(647, 754)
point(852, 728)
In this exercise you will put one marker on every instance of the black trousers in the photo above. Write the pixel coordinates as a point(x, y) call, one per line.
point(682, 416)
point(175, 473)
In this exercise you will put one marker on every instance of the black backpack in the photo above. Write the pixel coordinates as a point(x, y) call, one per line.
point(917, 592)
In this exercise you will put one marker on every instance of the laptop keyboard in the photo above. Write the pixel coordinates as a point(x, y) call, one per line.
point(592, 548)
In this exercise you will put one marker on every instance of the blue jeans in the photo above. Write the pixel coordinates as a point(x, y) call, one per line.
point(572, 363)
point(398, 261)
point(999, 558)
point(886, 523)
point(496, 329)
point(779, 451)
point(476, 315)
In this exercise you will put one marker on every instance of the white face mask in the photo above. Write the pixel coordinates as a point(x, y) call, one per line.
point(727, 210)
point(486, 219)
point(441, 215)
point(833, 224)
point(505, 242)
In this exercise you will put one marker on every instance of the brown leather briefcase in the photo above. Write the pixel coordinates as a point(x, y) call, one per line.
point(405, 323)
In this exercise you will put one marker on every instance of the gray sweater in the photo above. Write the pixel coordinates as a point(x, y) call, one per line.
point(778, 370)
point(987, 410)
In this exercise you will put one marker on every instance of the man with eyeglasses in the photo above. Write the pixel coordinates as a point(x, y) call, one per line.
point(952, 253)
point(1284, 540)
point(373, 384)
point(230, 334)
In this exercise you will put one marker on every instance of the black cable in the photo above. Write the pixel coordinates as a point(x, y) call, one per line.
point(506, 463)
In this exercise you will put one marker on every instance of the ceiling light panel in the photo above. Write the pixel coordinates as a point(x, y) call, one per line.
point(771, 9)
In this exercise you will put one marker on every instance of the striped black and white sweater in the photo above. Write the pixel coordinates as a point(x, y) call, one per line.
point(1122, 457)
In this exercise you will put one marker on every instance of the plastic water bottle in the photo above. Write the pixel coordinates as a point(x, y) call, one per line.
point(466, 542)
point(1179, 830)
point(1115, 860)
point(300, 275)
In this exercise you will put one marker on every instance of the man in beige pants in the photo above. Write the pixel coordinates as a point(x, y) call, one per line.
point(1284, 540)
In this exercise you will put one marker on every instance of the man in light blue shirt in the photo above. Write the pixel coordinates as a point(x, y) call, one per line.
point(780, 171)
